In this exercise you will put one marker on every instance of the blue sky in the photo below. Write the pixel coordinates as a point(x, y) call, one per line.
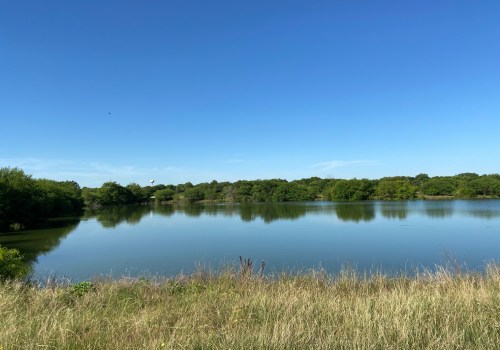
point(181, 91)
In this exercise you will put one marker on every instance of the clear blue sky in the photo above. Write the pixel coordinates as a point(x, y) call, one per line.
point(227, 90)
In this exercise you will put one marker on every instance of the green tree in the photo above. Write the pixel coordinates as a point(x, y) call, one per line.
point(464, 188)
point(112, 193)
point(180, 188)
point(395, 189)
point(166, 194)
point(263, 190)
point(91, 198)
point(464, 191)
point(467, 176)
point(244, 190)
point(315, 186)
point(439, 186)
point(11, 264)
point(352, 190)
point(193, 194)
point(59, 198)
point(292, 192)
point(150, 190)
point(487, 186)
point(19, 199)
point(420, 179)
point(139, 194)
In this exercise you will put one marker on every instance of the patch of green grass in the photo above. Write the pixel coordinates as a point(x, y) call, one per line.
point(81, 288)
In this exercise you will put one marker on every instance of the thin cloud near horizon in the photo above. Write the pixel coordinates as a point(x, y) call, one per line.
point(335, 164)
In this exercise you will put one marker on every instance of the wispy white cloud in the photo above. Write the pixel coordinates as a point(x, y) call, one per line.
point(335, 164)
point(59, 169)
point(94, 174)
point(33, 164)
point(103, 168)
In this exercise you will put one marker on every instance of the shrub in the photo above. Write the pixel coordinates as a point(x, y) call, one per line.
point(165, 194)
point(81, 288)
point(11, 264)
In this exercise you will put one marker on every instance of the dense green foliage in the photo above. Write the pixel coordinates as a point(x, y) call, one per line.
point(467, 185)
point(11, 264)
point(352, 190)
point(26, 202)
point(439, 186)
point(396, 188)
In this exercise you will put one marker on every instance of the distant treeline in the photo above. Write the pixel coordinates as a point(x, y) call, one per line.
point(467, 185)
point(26, 202)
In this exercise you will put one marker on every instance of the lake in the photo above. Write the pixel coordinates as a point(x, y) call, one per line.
point(168, 240)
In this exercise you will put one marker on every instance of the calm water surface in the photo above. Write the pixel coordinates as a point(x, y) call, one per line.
point(168, 240)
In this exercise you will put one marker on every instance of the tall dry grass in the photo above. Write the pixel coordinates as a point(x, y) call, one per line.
point(230, 310)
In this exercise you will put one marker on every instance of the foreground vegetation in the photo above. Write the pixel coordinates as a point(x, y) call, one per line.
point(26, 202)
point(234, 310)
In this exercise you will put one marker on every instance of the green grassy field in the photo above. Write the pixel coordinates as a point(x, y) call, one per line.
point(440, 310)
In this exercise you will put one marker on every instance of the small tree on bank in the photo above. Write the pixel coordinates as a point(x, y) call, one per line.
point(11, 264)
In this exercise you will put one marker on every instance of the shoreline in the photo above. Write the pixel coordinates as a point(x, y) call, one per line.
point(423, 198)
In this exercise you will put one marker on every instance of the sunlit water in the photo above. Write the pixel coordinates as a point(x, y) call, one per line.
point(168, 240)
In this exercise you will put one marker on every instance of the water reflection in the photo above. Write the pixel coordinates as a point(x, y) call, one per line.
point(35, 243)
point(170, 238)
point(484, 214)
point(272, 211)
point(355, 211)
point(163, 210)
point(439, 213)
point(483, 209)
point(394, 210)
point(110, 217)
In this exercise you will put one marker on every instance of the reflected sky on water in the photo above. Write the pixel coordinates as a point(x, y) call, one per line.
point(389, 236)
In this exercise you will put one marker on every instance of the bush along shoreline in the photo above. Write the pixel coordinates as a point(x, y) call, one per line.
point(245, 309)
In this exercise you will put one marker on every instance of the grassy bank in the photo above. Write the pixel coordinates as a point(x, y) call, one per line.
point(227, 311)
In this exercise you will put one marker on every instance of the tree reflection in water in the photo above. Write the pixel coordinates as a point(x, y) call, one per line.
point(356, 212)
point(394, 210)
point(34, 243)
